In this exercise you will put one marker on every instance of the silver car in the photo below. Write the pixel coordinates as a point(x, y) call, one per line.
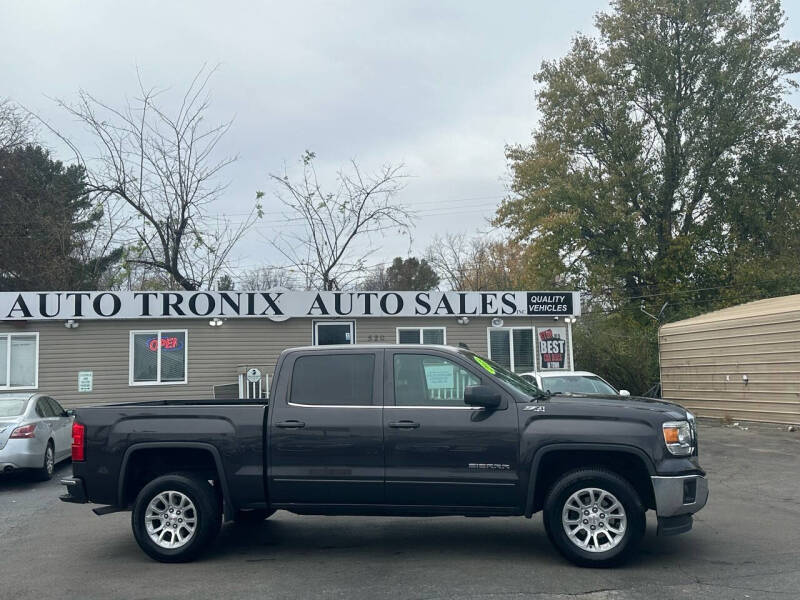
point(35, 433)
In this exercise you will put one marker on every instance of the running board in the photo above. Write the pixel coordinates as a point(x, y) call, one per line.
point(107, 510)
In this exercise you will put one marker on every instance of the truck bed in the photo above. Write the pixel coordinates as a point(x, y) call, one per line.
point(120, 438)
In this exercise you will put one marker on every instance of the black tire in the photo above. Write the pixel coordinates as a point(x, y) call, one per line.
point(624, 544)
point(255, 515)
point(45, 472)
point(207, 515)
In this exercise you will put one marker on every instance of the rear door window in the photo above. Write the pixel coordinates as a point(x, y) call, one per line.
point(333, 380)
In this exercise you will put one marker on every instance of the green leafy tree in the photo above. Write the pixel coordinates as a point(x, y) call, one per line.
point(666, 155)
point(664, 167)
point(48, 221)
point(408, 274)
point(225, 283)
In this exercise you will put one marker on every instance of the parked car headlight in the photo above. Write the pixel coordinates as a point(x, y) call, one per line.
point(678, 437)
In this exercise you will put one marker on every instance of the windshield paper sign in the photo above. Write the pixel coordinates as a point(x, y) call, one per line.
point(439, 377)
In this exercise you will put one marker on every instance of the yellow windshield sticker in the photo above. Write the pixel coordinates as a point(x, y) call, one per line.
point(484, 364)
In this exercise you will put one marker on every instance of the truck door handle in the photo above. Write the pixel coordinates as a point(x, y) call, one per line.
point(290, 424)
point(404, 425)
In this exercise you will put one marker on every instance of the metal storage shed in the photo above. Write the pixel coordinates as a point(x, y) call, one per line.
point(741, 363)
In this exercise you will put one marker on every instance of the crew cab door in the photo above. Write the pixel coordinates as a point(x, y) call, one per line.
point(439, 451)
point(326, 431)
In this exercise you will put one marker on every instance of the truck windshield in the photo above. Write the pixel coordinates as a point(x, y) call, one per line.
point(518, 383)
point(11, 407)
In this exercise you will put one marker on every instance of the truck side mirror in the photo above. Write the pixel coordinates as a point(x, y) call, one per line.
point(481, 395)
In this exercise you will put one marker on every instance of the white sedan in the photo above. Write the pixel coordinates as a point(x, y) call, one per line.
point(573, 382)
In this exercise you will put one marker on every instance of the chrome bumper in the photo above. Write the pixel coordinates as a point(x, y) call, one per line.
point(76, 491)
point(680, 495)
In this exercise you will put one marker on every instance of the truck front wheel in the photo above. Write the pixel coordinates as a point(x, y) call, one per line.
point(594, 517)
point(175, 517)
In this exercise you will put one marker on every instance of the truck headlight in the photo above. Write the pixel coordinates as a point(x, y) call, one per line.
point(678, 437)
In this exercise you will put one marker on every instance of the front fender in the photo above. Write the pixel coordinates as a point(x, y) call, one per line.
point(579, 447)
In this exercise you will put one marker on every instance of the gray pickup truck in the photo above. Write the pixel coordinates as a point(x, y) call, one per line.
point(393, 430)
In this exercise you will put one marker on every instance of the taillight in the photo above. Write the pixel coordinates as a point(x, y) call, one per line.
point(24, 432)
point(78, 441)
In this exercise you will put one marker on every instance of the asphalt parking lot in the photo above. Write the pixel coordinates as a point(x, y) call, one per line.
point(745, 544)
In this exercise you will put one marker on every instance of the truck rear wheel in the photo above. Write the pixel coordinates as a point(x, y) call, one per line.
point(176, 517)
point(594, 517)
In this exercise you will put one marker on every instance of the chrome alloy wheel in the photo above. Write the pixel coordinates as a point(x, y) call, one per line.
point(594, 520)
point(170, 519)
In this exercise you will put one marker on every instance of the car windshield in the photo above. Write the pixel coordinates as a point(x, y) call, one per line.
point(12, 407)
point(577, 384)
point(518, 383)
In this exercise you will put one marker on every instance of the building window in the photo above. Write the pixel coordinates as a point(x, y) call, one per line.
point(19, 361)
point(158, 357)
point(512, 347)
point(327, 333)
point(421, 335)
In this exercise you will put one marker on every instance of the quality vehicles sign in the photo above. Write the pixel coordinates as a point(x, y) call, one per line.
point(279, 305)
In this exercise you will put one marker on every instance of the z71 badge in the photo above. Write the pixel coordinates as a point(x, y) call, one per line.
point(534, 407)
point(489, 466)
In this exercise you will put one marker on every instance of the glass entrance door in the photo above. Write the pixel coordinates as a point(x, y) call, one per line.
point(334, 332)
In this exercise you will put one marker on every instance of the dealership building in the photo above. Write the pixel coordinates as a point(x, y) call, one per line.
point(97, 347)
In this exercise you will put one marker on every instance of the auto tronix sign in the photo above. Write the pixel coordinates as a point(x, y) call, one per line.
point(281, 305)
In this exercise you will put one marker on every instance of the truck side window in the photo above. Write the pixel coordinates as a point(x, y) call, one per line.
point(333, 379)
point(426, 380)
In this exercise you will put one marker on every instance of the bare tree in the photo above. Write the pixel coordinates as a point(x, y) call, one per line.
point(16, 126)
point(109, 231)
point(163, 166)
point(326, 252)
point(477, 263)
point(452, 257)
point(375, 280)
point(265, 278)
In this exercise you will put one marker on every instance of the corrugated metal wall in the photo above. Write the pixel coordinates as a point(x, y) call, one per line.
point(704, 361)
point(215, 354)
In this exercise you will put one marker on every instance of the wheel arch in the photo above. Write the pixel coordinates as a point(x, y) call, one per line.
point(210, 450)
point(553, 460)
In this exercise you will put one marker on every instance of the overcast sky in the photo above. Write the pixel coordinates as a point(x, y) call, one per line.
point(439, 86)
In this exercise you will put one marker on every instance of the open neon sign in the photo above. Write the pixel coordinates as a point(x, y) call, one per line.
point(167, 343)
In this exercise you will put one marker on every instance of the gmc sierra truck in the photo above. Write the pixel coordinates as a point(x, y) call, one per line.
point(392, 430)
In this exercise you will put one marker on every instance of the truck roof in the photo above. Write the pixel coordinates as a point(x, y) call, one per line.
point(371, 347)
